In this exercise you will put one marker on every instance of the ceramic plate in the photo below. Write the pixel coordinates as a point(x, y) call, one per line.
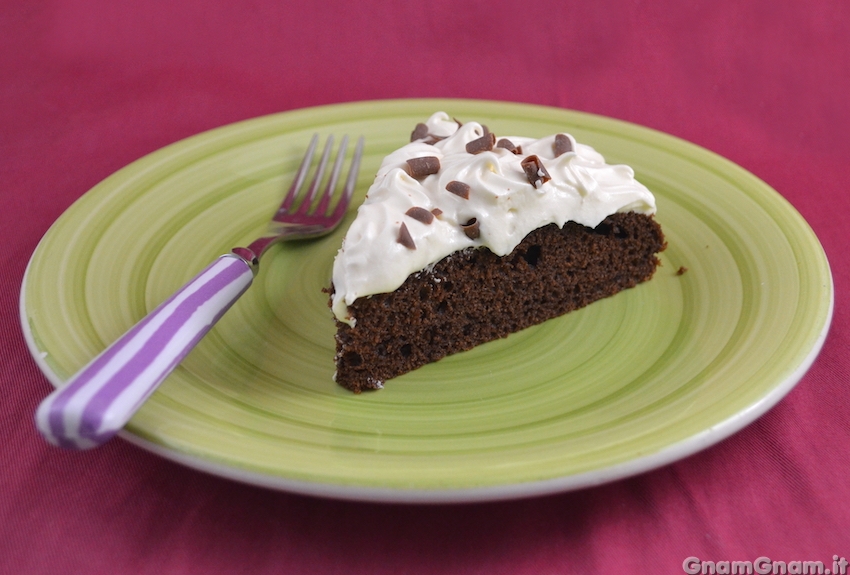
point(625, 385)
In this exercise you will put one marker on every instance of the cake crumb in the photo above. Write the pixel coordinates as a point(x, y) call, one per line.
point(681, 270)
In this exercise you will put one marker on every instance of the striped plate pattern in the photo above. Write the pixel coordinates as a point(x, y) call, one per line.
point(628, 384)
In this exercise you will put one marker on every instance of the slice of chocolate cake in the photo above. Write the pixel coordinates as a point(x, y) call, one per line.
point(465, 238)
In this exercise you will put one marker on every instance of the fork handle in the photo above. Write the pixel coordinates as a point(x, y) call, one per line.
point(99, 400)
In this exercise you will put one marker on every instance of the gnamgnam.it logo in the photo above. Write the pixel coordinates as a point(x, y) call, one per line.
point(764, 566)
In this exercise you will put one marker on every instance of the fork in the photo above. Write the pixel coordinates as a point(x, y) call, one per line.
point(102, 397)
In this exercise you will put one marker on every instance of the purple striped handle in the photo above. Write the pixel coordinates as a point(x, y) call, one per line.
point(100, 399)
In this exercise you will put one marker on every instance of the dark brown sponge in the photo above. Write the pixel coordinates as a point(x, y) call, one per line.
point(474, 296)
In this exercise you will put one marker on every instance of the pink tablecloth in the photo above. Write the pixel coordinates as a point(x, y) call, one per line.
point(87, 87)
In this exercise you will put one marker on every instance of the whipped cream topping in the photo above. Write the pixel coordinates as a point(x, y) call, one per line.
point(494, 203)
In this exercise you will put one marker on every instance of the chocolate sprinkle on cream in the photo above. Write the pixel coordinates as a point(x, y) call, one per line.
point(431, 139)
point(419, 132)
point(509, 146)
point(534, 171)
point(562, 145)
point(420, 214)
point(472, 229)
point(424, 166)
point(436, 212)
point(404, 237)
point(483, 144)
point(458, 189)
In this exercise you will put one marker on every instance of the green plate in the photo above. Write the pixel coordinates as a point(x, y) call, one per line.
point(625, 385)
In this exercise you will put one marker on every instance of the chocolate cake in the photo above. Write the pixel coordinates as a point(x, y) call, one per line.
point(465, 238)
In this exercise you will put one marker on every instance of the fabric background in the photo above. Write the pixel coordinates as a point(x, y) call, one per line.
point(88, 86)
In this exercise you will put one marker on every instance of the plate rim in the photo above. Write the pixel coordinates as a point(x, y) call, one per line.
point(387, 494)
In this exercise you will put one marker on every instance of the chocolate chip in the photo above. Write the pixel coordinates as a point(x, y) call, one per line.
point(404, 238)
point(562, 145)
point(419, 132)
point(436, 212)
point(458, 189)
point(534, 171)
point(472, 229)
point(509, 146)
point(483, 144)
point(420, 214)
point(424, 166)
